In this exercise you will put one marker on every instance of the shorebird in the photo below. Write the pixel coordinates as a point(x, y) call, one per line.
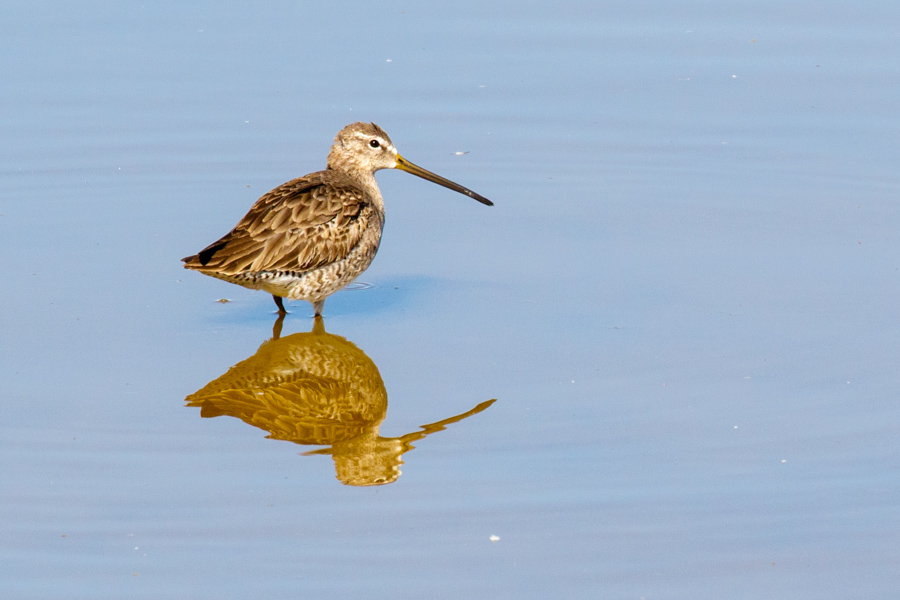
point(313, 235)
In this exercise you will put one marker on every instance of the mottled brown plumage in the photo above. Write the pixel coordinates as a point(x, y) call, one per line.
point(311, 236)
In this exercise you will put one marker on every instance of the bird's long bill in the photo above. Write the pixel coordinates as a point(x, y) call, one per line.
point(405, 165)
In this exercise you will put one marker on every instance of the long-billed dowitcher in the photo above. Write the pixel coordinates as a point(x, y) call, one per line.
point(311, 236)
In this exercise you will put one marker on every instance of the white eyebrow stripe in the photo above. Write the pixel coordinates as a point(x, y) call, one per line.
point(362, 136)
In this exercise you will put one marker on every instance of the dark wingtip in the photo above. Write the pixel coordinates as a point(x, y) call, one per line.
point(205, 255)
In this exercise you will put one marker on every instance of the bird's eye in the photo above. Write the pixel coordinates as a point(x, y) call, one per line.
point(375, 144)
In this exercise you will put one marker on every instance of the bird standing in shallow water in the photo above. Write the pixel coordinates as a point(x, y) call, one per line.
point(311, 236)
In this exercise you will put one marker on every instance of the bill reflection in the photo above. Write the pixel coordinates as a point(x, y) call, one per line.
point(318, 389)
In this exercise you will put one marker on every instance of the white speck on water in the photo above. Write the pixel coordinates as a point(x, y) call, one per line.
point(494, 538)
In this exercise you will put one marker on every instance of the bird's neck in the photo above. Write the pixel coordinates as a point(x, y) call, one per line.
point(365, 178)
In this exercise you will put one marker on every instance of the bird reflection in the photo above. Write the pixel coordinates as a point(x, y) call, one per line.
point(317, 388)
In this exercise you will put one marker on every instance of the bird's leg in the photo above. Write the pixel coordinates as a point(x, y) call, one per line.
point(318, 306)
point(280, 303)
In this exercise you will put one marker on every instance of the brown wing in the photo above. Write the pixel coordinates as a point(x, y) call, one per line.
point(300, 225)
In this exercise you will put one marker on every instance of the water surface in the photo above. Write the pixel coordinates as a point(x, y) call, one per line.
point(683, 302)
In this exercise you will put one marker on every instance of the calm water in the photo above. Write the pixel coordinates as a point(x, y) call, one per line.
point(684, 303)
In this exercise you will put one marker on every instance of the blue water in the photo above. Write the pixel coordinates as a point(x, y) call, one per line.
point(684, 300)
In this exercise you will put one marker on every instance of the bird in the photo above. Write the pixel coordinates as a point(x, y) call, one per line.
point(311, 236)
